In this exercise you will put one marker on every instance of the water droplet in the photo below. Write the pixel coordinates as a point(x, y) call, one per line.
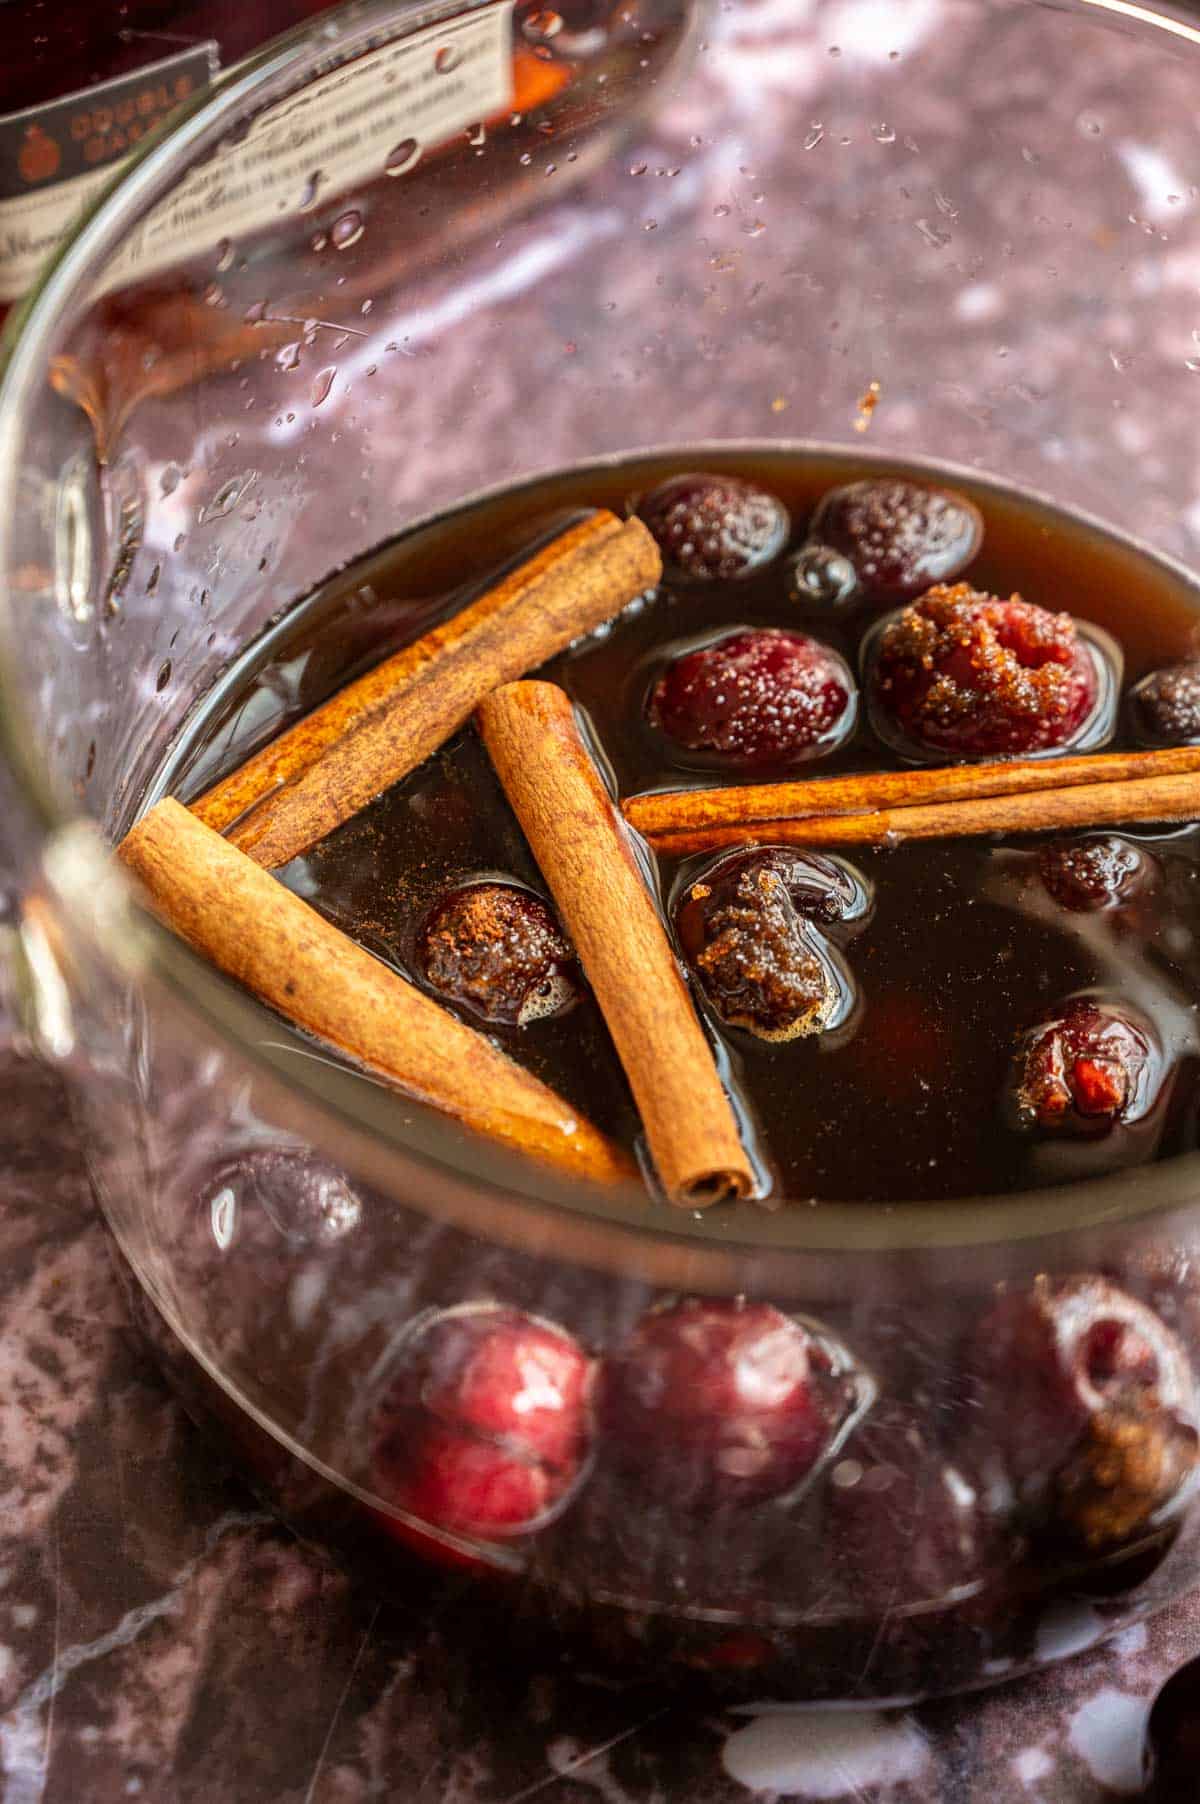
point(225, 254)
point(550, 169)
point(944, 204)
point(1089, 123)
point(172, 476)
point(883, 133)
point(164, 676)
point(1029, 156)
point(754, 228)
point(1193, 364)
point(288, 356)
point(477, 135)
point(308, 194)
point(650, 225)
point(152, 580)
point(226, 497)
point(447, 59)
point(402, 157)
point(835, 50)
point(637, 169)
point(214, 295)
point(322, 383)
point(346, 230)
point(319, 241)
point(1120, 360)
point(541, 24)
point(525, 158)
point(223, 1214)
point(91, 762)
point(721, 210)
point(815, 133)
point(933, 235)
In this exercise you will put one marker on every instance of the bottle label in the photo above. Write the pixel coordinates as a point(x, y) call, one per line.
point(55, 157)
point(355, 122)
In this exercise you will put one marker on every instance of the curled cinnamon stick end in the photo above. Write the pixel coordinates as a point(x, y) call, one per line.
point(366, 737)
point(695, 813)
point(585, 855)
point(256, 931)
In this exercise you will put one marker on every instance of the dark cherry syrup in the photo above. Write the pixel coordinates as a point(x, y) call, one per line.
point(968, 972)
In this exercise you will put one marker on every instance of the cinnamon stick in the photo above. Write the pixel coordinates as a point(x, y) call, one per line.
point(577, 836)
point(255, 930)
point(336, 760)
point(1137, 801)
point(693, 813)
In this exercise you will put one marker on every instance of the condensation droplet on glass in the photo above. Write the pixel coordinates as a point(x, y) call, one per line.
point(525, 158)
point(322, 383)
point(721, 210)
point(214, 295)
point(754, 228)
point(346, 230)
point(164, 676)
point(1193, 364)
point(223, 1212)
point(1120, 360)
point(650, 225)
point(883, 133)
point(944, 204)
point(226, 497)
point(1028, 155)
point(550, 169)
point(447, 59)
point(637, 168)
point(893, 56)
point(318, 241)
point(402, 157)
point(477, 135)
point(152, 580)
point(308, 194)
point(933, 235)
point(179, 541)
point(171, 478)
point(835, 50)
point(541, 24)
point(288, 356)
point(224, 256)
point(814, 135)
point(1089, 123)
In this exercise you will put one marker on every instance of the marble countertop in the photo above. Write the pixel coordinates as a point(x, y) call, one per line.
point(161, 1638)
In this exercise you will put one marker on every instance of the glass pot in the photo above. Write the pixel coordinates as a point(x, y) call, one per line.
point(337, 299)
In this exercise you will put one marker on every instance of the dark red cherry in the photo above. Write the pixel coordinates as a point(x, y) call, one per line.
point(962, 672)
point(1171, 1754)
point(1166, 705)
point(498, 950)
point(716, 1402)
point(1086, 875)
point(486, 1424)
point(1088, 1068)
point(899, 536)
point(714, 528)
point(756, 696)
point(1087, 1400)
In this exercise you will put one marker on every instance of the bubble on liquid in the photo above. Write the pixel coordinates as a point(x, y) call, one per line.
point(288, 356)
point(322, 383)
point(310, 190)
point(227, 497)
point(539, 26)
point(447, 59)
point(403, 156)
point(164, 676)
point(883, 133)
point(814, 135)
point(170, 479)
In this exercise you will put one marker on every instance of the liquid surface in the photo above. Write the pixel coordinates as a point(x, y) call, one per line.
point(905, 1099)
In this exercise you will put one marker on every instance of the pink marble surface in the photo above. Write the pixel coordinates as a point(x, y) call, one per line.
point(161, 1638)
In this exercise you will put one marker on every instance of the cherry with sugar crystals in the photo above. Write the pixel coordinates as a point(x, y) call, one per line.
point(1086, 875)
point(713, 1402)
point(714, 528)
point(486, 1426)
point(899, 536)
point(498, 950)
point(756, 696)
point(1166, 705)
point(1091, 1067)
point(964, 673)
point(1088, 1401)
point(746, 928)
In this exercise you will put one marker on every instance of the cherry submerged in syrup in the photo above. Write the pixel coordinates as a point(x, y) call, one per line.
point(776, 647)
